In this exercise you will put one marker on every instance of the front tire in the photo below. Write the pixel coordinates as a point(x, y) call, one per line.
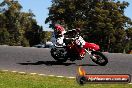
point(58, 55)
point(99, 58)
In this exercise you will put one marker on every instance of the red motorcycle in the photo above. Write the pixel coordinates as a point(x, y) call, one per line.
point(71, 51)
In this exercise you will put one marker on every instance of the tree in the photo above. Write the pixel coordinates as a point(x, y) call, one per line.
point(4, 34)
point(47, 35)
point(12, 13)
point(103, 20)
point(33, 34)
point(4, 37)
point(128, 39)
point(21, 26)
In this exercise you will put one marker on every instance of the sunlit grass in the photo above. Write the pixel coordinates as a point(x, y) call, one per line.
point(15, 80)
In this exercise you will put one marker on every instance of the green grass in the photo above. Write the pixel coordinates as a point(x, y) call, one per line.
point(15, 80)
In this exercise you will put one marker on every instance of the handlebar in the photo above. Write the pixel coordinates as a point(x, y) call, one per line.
point(72, 38)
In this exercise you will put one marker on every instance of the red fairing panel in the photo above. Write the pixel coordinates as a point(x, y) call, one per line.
point(91, 46)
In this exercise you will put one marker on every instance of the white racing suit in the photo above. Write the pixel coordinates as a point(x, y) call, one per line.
point(58, 41)
point(80, 41)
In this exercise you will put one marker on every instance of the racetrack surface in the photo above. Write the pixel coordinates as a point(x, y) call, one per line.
point(38, 60)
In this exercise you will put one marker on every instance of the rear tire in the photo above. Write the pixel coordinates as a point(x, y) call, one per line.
point(98, 58)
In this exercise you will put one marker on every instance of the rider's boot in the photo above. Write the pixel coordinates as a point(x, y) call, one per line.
point(82, 54)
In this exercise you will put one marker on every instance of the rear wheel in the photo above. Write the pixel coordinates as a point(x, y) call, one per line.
point(59, 55)
point(99, 58)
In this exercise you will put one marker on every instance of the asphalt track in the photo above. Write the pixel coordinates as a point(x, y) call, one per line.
point(38, 60)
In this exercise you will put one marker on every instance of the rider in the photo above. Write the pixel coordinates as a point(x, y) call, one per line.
point(59, 32)
point(58, 36)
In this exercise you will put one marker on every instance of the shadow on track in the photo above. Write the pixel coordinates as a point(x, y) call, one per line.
point(87, 65)
point(48, 63)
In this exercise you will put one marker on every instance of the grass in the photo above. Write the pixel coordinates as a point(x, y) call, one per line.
point(15, 80)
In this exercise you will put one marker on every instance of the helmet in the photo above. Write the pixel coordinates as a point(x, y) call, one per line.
point(59, 28)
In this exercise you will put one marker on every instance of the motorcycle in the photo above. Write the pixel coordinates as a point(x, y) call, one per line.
point(71, 52)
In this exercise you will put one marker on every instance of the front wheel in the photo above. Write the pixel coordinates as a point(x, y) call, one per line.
point(99, 58)
point(59, 55)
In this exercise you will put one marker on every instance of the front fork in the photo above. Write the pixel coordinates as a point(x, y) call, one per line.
point(90, 54)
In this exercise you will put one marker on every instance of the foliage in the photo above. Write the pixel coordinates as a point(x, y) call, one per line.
point(103, 20)
point(47, 35)
point(17, 27)
point(4, 36)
